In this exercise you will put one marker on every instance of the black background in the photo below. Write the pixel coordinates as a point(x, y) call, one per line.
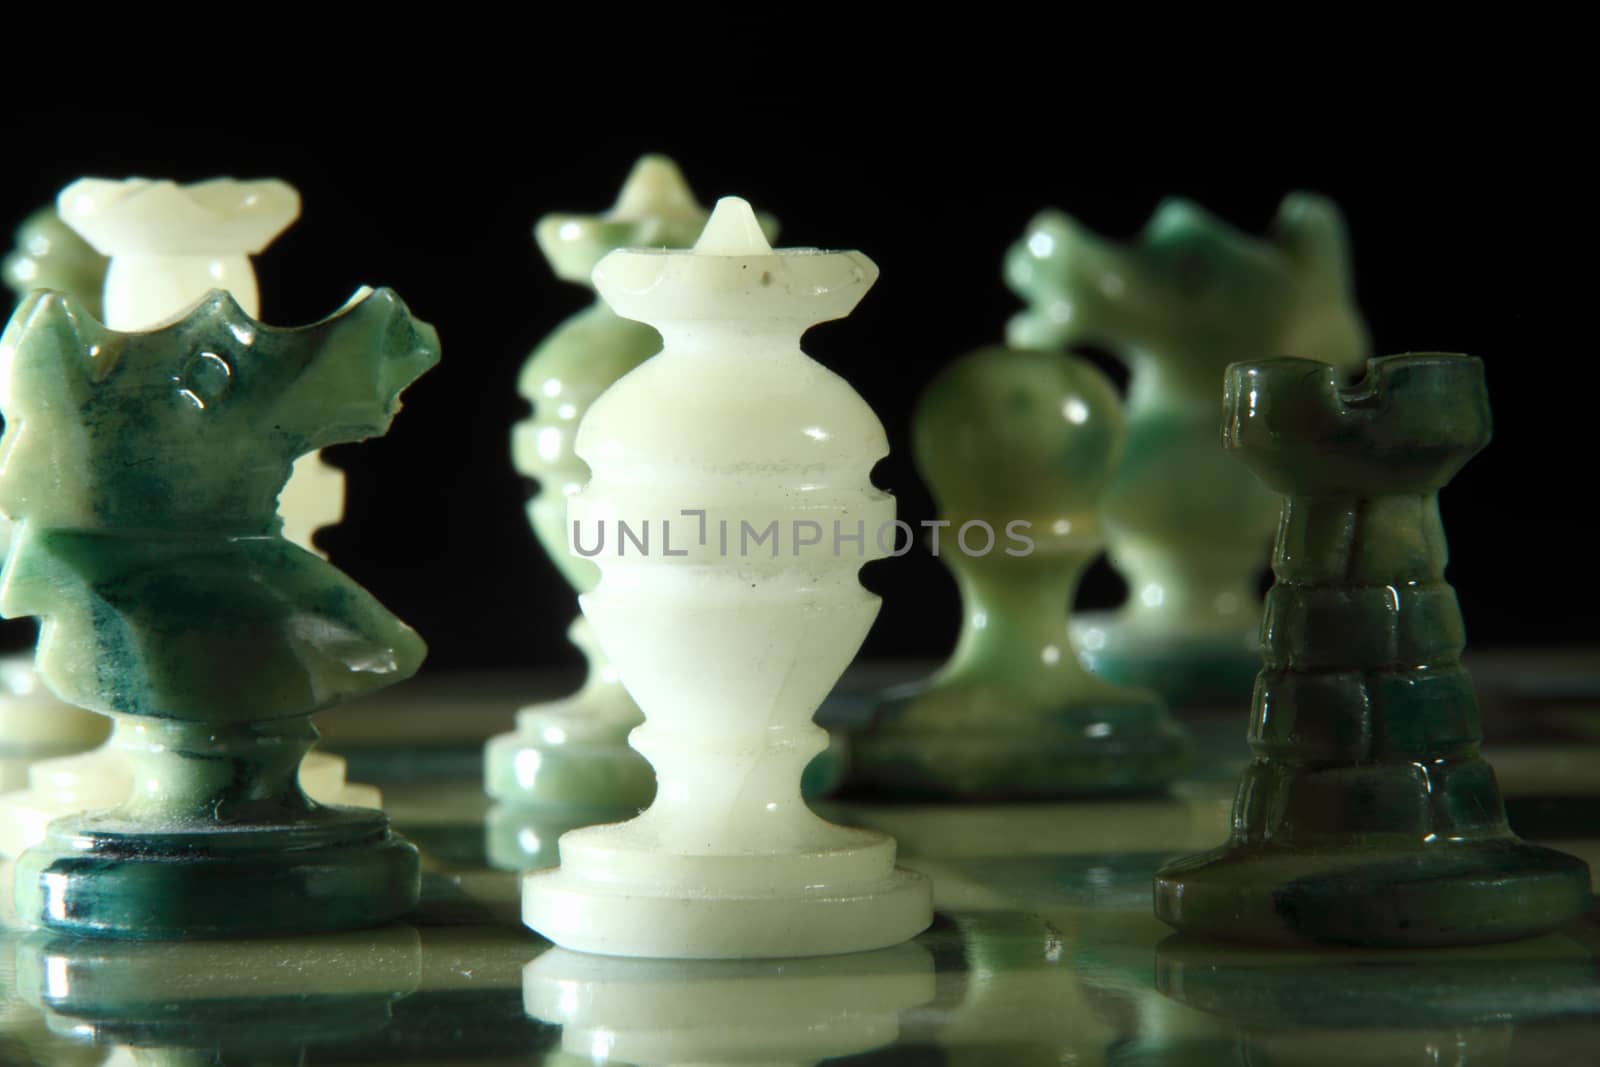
point(1467, 209)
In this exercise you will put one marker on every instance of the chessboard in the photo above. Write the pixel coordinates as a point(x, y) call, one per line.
point(1044, 949)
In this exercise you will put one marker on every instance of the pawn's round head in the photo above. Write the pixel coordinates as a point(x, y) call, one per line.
point(1004, 434)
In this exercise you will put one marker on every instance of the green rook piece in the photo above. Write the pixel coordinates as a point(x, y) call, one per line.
point(1367, 816)
point(572, 754)
point(1186, 527)
point(1018, 447)
point(142, 472)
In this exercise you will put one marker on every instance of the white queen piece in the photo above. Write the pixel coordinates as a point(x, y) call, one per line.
point(731, 499)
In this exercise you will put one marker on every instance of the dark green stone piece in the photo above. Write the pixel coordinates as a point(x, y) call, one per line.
point(1006, 436)
point(1367, 816)
point(142, 471)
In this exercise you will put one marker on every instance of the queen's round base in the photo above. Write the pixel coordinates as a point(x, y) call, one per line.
point(621, 892)
point(333, 869)
point(1448, 893)
point(1109, 755)
point(1187, 670)
point(615, 920)
point(544, 768)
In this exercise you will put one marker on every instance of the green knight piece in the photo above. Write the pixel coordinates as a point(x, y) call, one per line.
point(1367, 815)
point(142, 474)
point(1018, 447)
point(569, 759)
point(1187, 527)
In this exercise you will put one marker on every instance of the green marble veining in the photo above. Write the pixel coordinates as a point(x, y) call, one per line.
point(1018, 447)
point(573, 754)
point(142, 472)
point(1187, 527)
point(1367, 815)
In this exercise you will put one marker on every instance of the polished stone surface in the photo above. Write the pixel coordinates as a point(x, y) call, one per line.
point(1044, 950)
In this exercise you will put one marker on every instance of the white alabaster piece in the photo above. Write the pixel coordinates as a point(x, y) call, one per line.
point(659, 1012)
point(33, 721)
point(170, 244)
point(728, 650)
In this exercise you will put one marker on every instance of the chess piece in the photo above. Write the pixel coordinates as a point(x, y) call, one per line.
point(34, 725)
point(1187, 527)
point(1367, 815)
point(169, 245)
point(568, 763)
point(654, 1013)
point(49, 254)
point(128, 219)
point(573, 753)
point(1018, 447)
point(735, 622)
point(142, 475)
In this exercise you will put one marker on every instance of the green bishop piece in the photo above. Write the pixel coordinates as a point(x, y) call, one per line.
point(1367, 816)
point(142, 473)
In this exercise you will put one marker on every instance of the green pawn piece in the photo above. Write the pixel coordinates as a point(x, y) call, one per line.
point(1186, 526)
point(33, 724)
point(570, 758)
point(573, 753)
point(142, 473)
point(1018, 447)
point(1367, 816)
point(49, 254)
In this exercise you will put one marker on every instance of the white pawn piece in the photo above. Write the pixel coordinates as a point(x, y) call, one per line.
point(157, 233)
point(749, 466)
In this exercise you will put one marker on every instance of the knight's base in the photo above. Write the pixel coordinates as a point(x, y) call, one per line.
point(98, 876)
point(1445, 893)
point(100, 779)
point(524, 769)
point(1187, 671)
point(615, 919)
point(1123, 750)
